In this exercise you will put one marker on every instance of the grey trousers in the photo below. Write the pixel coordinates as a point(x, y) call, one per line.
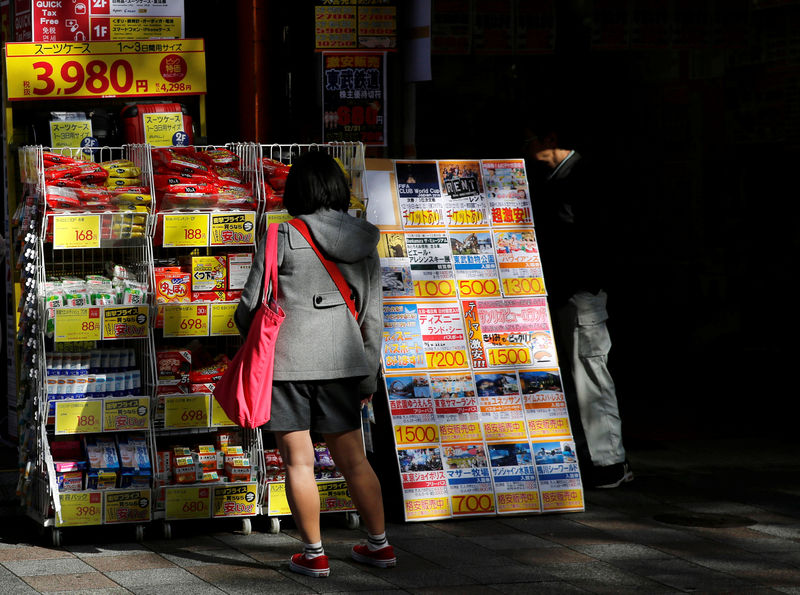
point(585, 338)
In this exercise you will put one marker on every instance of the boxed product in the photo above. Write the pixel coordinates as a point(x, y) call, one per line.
point(172, 285)
point(184, 470)
point(238, 468)
point(103, 469)
point(226, 439)
point(207, 457)
point(69, 475)
point(238, 269)
point(173, 366)
point(209, 273)
point(135, 467)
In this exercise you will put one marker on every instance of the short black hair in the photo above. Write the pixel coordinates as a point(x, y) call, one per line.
point(315, 181)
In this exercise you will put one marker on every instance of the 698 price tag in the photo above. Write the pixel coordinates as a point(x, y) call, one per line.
point(190, 411)
point(185, 320)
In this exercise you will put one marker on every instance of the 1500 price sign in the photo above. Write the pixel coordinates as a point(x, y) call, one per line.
point(105, 69)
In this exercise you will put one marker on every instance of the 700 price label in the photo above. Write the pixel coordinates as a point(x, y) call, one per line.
point(422, 434)
point(470, 504)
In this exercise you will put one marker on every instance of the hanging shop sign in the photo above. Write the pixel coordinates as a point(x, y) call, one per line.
point(354, 97)
point(355, 24)
point(105, 69)
point(97, 20)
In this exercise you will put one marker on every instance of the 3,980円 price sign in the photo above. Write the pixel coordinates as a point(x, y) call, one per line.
point(105, 69)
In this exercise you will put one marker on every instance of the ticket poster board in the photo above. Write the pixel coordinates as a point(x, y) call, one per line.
point(475, 395)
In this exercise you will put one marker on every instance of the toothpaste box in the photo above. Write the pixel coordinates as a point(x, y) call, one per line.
point(209, 273)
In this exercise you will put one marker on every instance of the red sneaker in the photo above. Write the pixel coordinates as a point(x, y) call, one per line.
point(382, 558)
point(316, 567)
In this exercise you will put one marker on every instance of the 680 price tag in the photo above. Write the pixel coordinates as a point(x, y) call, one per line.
point(191, 502)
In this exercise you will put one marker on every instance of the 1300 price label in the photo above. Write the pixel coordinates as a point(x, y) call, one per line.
point(76, 231)
point(524, 286)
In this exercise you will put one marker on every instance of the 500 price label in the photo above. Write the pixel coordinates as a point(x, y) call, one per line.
point(185, 230)
point(76, 231)
point(422, 434)
point(80, 509)
point(478, 288)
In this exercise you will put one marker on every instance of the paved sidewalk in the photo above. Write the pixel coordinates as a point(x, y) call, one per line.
point(700, 517)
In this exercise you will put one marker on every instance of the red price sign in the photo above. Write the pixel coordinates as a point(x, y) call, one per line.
point(105, 69)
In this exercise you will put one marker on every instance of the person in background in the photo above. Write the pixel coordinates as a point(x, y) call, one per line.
point(569, 215)
point(326, 361)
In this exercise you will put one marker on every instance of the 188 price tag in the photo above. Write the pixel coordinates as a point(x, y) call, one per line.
point(189, 230)
point(76, 231)
point(79, 417)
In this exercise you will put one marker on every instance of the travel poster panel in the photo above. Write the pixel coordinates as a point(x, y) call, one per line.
point(559, 475)
point(475, 263)
point(500, 406)
point(462, 192)
point(431, 262)
point(508, 199)
point(518, 261)
point(396, 279)
point(545, 405)
point(422, 476)
point(419, 195)
point(466, 466)
point(514, 476)
point(509, 333)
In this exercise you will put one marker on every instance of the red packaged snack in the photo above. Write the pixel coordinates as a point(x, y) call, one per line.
point(51, 158)
point(166, 181)
point(274, 202)
point(218, 156)
point(57, 172)
point(210, 373)
point(66, 183)
point(128, 189)
point(175, 160)
point(173, 365)
point(228, 175)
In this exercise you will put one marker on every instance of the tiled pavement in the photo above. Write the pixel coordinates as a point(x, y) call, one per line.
point(743, 499)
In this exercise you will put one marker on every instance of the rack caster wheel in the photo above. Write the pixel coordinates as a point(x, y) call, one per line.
point(274, 525)
point(139, 533)
point(166, 530)
point(247, 527)
point(55, 537)
point(353, 520)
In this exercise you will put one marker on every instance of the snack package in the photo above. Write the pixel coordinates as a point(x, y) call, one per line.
point(211, 373)
point(173, 366)
point(172, 285)
point(322, 456)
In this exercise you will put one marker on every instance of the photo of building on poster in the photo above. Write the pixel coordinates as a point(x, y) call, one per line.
point(545, 405)
point(419, 194)
point(518, 262)
point(410, 400)
point(468, 480)
point(456, 407)
point(475, 263)
point(424, 484)
point(431, 264)
point(559, 475)
point(396, 278)
point(508, 197)
point(514, 477)
point(462, 191)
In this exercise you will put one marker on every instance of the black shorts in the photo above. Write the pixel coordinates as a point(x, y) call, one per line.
point(323, 406)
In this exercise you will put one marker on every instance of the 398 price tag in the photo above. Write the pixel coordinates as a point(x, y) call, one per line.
point(185, 230)
point(190, 502)
point(79, 417)
point(186, 320)
point(222, 319)
point(189, 411)
point(80, 509)
point(76, 231)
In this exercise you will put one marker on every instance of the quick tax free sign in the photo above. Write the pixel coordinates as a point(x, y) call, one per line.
point(105, 69)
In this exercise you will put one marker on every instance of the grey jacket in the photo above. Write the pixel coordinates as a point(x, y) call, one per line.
point(319, 338)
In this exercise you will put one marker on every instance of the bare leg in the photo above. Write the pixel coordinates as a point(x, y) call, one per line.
point(297, 451)
point(347, 450)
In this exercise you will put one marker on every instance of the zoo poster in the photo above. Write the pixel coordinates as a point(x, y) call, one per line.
point(475, 394)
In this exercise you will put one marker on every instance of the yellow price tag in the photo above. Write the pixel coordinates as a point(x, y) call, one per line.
point(222, 319)
point(77, 324)
point(105, 69)
point(509, 356)
point(238, 499)
point(472, 504)
point(446, 360)
point(190, 502)
point(130, 322)
point(80, 509)
point(126, 413)
point(421, 434)
point(460, 432)
point(435, 289)
point(428, 508)
point(79, 417)
point(70, 133)
point(186, 411)
point(190, 230)
point(278, 217)
point(76, 231)
point(277, 504)
point(523, 286)
point(128, 506)
point(164, 129)
point(233, 229)
point(334, 496)
point(218, 415)
point(185, 320)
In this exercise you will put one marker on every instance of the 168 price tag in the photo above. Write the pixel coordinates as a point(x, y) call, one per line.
point(76, 231)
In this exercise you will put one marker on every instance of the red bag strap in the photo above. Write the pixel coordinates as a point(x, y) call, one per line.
point(271, 265)
point(331, 267)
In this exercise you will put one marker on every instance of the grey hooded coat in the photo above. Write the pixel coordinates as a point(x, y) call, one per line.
point(319, 338)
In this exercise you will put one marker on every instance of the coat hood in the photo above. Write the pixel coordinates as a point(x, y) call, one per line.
point(341, 237)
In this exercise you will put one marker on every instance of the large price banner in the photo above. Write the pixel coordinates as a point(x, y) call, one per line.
point(105, 69)
point(478, 410)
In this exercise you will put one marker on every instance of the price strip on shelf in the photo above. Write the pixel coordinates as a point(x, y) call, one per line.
point(186, 411)
point(80, 509)
point(79, 417)
point(233, 500)
point(222, 319)
point(105, 69)
point(218, 416)
point(126, 413)
point(334, 496)
point(77, 324)
point(125, 323)
point(76, 231)
point(128, 506)
point(277, 504)
point(233, 229)
point(190, 502)
point(185, 230)
point(278, 217)
point(185, 320)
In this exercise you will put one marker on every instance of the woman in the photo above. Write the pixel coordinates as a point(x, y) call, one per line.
point(326, 360)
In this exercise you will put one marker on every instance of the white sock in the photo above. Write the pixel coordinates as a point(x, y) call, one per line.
point(313, 550)
point(377, 542)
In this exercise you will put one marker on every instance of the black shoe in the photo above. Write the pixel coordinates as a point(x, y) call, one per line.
point(611, 476)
